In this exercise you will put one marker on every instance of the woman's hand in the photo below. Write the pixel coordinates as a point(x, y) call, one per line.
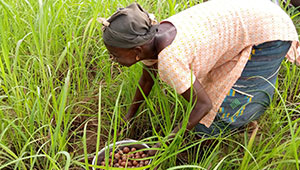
point(154, 149)
point(153, 152)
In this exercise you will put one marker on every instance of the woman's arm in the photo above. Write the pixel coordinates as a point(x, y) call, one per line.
point(146, 83)
point(202, 105)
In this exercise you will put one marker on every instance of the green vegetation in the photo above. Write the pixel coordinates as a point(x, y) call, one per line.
point(61, 98)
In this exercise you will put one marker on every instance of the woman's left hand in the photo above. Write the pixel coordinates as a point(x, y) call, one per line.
point(153, 152)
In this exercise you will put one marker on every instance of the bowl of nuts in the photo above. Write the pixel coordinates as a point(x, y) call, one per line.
point(127, 154)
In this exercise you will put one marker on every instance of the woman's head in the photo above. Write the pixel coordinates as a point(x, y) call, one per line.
point(124, 56)
point(126, 31)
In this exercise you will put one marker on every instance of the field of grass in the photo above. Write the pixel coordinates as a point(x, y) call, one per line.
point(61, 98)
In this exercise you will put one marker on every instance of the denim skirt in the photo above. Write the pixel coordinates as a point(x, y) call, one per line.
point(252, 93)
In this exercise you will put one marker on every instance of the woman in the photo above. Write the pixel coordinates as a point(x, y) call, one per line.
point(226, 53)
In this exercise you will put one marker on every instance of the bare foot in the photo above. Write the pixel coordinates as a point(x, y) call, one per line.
point(253, 125)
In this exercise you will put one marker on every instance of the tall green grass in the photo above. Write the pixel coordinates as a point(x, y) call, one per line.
point(62, 99)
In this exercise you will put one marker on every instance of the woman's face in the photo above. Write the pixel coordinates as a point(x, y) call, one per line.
point(123, 56)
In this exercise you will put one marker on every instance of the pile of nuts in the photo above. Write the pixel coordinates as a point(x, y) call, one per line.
point(126, 157)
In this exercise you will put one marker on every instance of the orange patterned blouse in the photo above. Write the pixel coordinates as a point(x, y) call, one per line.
point(214, 41)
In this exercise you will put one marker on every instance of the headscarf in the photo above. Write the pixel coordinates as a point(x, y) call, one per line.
point(129, 27)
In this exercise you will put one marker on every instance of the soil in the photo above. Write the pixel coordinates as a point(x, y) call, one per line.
point(76, 146)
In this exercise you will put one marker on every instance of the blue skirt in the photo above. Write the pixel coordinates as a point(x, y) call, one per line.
point(252, 93)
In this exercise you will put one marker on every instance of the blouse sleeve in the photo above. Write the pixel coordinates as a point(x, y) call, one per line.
point(175, 71)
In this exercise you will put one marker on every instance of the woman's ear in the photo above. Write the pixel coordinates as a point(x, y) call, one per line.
point(139, 51)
